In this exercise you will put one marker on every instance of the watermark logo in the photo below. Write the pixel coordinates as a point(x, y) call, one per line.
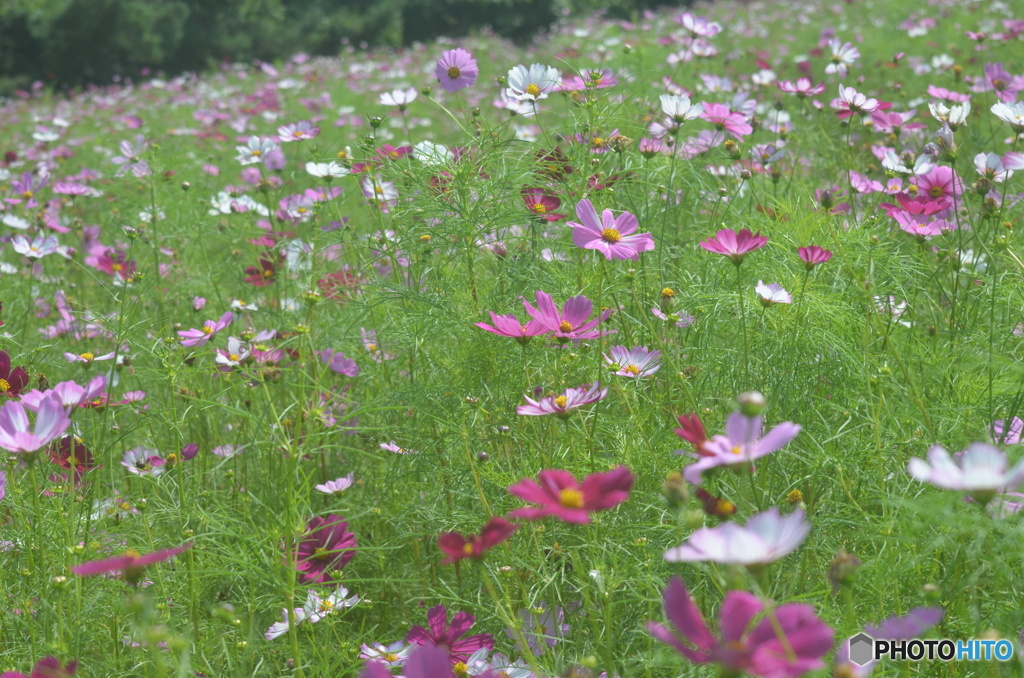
point(864, 649)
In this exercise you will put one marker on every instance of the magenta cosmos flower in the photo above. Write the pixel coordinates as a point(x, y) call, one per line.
point(562, 404)
point(558, 494)
point(788, 645)
point(725, 119)
point(130, 566)
point(440, 634)
point(456, 69)
point(198, 337)
point(509, 326)
point(767, 537)
point(571, 322)
point(733, 245)
point(47, 667)
point(457, 546)
point(51, 422)
point(741, 444)
point(542, 203)
point(611, 236)
point(813, 256)
point(326, 547)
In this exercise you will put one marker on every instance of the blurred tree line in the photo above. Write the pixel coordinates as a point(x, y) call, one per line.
point(67, 43)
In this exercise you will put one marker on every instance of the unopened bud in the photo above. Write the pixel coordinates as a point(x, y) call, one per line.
point(751, 403)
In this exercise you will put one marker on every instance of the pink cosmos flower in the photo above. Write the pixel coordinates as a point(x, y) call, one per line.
point(741, 444)
point(51, 422)
point(210, 328)
point(336, 486)
point(47, 667)
point(227, 451)
point(589, 79)
point(559, 494)
point(458, 546)
point(372, 346)
point(734, 245)
point(562, 405)
point(449, 638)
point(326, 547)
point(509, 326)
point(297, 131)
point(772, 294)
point(87, 358)
point(393, 447)
point(142, 461)
point(851, 101)
point(699, 26)
point(767, 537)
point(790, 643)
point(1007, 435)
point(339, 364)
point(636, 362)
point(941, 183)
point(456, 69)
point(722, 118)
point(69, 393)
point(813, 256)
point(911, 625)
point(571, 322)
point(613, 237)
point(803, 87)
point(130, 566)
point(980, 471)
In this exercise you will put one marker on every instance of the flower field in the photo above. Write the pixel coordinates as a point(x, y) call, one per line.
point(688, 346)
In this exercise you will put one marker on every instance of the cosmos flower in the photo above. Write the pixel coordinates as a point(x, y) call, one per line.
point(533, 83)
point(509, 326)
point(456, 70)
point(336, 486)
point(562, 405)
point(725, 119)
point(802, 88)
point(326, 547)
point(813, 256)
point(542, 203)
point(767, 537)
point(541, 627)
point(338, 363)
point(399, 97)
point(851, 101)
point(326, 170)
point(393, 447)
point(745, 647)
point(17, 436)
point(559, 494)
point(679, 109)
point(130, 566)
point(843, 55)
point(772, 294)
point(734, 245)
point(911, 625)
point(142, 461)
point(255, 151)
point(393, 655)
point(227, 451)
point(1007, 435)
point(234, 355)
point(741, 445)
point(12, 381)
point(457, 546)
point(636, 362)
point(611, 236)
point(210, 328)
point(297, 131)
point(37, 248)
point(571, 322)
point(980, 471)
point(589, 79)
point(47, 667)
point(1011, 113)
point(448, 638)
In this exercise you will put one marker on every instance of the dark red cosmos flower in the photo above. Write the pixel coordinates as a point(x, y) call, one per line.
point(47, 667)
point(71, 453)
point(327, 546)
point(560, 495)
point(693, 432)
point(263, 274)
point(448, 637)
point(542, 203)
point(715, 506)
point(11, 381)
point(339, 285)
point(130, 566)
point(554, 163)
point(458, 546)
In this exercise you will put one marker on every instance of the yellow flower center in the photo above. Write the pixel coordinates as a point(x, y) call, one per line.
point(632, 369)
point(570, 498)
point(565, 326)
point(234, 358)
point(379, 190)
point(393, 154)
point(257, 153)
point(390, 657)
point(532, 90)
point(207, 330)
point(88, 357)
point(321, 553)
point(302, 210)
point(561, 401)
point(371, 347)
point(132, 553)
point(467, 548)
point(267, 273)
point(597, 142)
point(297, 134)
point(342, 155)
point(454, 72)
point(460, 669)
point(667, 293)
point(538, 208)
point(116, 267)
point(26, 195)
point(794, 497)
point(935, 191)
point(912, 189)
point(5, 385)
point(725, 506)
point(610, 235)
point(736, 449)
point(326, 605)
point(171, 458)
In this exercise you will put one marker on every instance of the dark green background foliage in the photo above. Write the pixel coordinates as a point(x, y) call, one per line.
point(67, 43)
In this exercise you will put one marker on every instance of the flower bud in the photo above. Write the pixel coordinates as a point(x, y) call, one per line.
point(751, 403)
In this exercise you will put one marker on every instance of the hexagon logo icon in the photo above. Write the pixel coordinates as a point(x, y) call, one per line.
point(862, 649)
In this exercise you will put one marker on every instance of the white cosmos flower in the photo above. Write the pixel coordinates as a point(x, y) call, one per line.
point(1011, 113)
point(326, 170)
point(679, 109)
point(38, 248)
point(399, 97)
point(533, 83)
point(431, 154)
